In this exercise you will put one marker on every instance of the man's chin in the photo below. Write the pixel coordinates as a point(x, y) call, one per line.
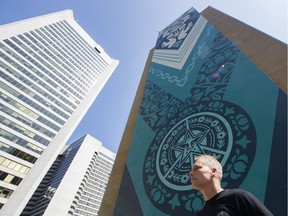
point(194, 187)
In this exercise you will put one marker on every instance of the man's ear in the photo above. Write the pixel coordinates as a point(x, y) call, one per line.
point(214, 171)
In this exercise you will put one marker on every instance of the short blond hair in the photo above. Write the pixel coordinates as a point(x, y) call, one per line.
point(211, 162)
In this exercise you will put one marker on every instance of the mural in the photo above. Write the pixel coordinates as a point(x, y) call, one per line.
point(202, 96)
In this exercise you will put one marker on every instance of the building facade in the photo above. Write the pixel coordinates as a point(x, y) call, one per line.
point(211, 85)
point(51, 72)
point(76, 182)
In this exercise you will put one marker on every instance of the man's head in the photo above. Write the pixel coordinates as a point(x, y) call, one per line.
point(205, 171)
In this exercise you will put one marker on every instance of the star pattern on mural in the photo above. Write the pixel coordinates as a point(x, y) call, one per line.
point(190, 145)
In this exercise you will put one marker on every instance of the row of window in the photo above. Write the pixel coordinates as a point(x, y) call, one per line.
point(13, 138)
point(68, 54)
point(17, 153)
point(90, 198)
point(48, 43)
point(36, 96)
point(102, 169)
point(94, 190)
point(32, 103)
point(24, 131)
point(92, 210)
point(90, 204)
point(93, 67)
point(94, 195)
point(110, 160)
point(98, 179)
point(28, 112)
point(100, 173)
point(86, 65)
point(94, 186)
point(27, 121)
point(36, 79)
point(66, 94)
point(79, 212)
point(10, 179)
point(91, 54)
point(90, 50)
point(10, 164)
point(33, 69)
point(50, 55)
point(63, 102)
point(26, 72)
point(104, 162)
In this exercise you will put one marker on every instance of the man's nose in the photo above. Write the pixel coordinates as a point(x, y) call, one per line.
point(191, 173)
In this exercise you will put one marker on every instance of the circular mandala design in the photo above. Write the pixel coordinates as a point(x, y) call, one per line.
point(201, 133)
point(217, 128)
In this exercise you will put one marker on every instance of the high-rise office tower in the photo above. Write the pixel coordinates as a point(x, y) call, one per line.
point(211, 85)
point(75, 183)
point(51, 72)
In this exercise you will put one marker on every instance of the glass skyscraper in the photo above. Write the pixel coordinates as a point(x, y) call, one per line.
point(51, 72)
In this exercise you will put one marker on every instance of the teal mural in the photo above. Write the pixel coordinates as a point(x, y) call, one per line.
point(202, 96)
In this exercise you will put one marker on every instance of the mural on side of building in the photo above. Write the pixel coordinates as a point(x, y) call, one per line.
point(202, 96)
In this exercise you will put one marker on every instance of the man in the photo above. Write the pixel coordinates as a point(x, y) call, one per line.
point(206, 176)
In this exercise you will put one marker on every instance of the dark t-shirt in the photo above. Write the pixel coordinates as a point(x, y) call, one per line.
point(233, 202)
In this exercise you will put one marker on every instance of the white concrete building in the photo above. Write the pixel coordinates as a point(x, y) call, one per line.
point(51, 72)
point(75, 183)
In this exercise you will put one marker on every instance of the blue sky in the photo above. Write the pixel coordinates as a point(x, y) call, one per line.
point(127, 30)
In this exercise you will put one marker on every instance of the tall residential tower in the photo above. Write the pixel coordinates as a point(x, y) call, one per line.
point(51, 72)
point(77, 179)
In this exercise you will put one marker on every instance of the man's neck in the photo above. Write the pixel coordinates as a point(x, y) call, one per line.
point(211, 192)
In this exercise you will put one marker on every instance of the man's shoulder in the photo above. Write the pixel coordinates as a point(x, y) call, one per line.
point(238, 193)
point(235, 190)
